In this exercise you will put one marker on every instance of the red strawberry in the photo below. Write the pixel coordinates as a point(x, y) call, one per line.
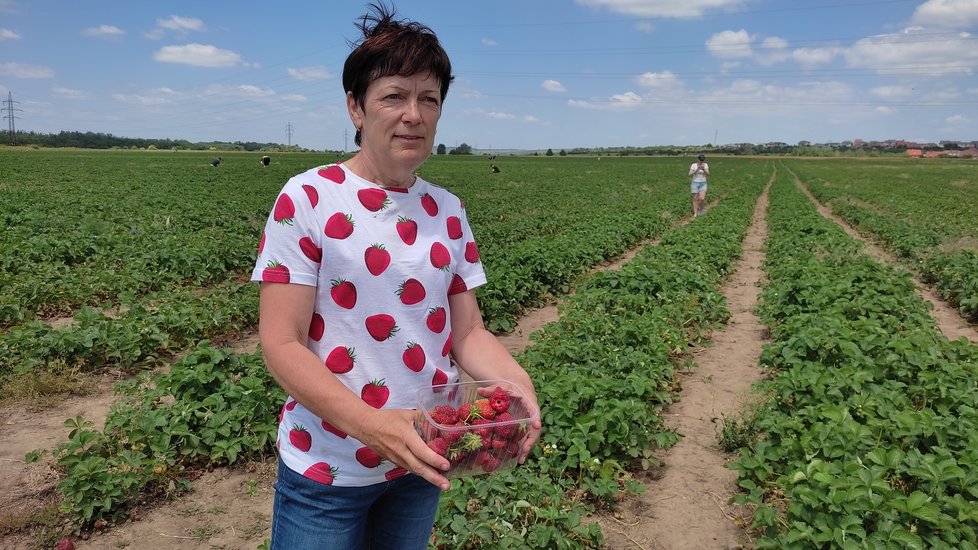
point(275, 273)
point(310, 249)
point(491, 463)
point(333, 173)
point(407, 229)
point(377, 259)
point(373, 199)
point(340, 360)
point(343, 293)
point(465, 412)
point(446, 415)
point(499, 400)
point(321, 472)
point(429, 205)
point(300, 438)
point(471, 252)
point(454, 227)
point(506, 430)
point(317, 326)
point(395, 473)
point(413, 357)
point(339, 226)
point(261, 242)
point(334, 430)
point(66, 544)
point(448, 346)
point(439, 445)
point(312, 194)
point(439, 378)
point(284, 211)
point(411, 292)
point(451, 436)
point(381, 326)
point(375, 393)
point(368, 457)
point(440, 257)
point(436, 319)
point(457, 286)
point(482, 409)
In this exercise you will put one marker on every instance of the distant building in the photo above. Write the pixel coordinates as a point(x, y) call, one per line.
point(914, 152)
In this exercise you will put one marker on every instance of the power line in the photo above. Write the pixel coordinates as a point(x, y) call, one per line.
point(9, 102)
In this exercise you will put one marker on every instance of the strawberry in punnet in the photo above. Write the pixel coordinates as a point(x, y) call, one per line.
point(491, 463)
point(333, 173)
point(411, 292)
point(413, 357)
point(440, 256)
point(499, 400)
point(429, 205)
point(311, 251)
point(446, 415)
point(451, 436)
point(505, 430)
point(471, 252)
point(340, 360)
point(373, 199)
point(440, 378)
point(407, 229)
point(454, 227)
point(317, 326)
point(395, 473)
point(482, 409)
point(377, 258)
point(439, 445)
point(334, 430)
point(375, 394)
point(343, 293)
point(381, 326)
point(275, 273)
point(300, 438)
point(321, 472)
point(312, 194)
point(437, 317)
point(368, 457)
point(484, 430)
point(464, 412)
point(284, 212)
point(466, 444)
point(339, 226)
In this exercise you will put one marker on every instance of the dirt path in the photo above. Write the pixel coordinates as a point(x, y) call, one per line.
point(948, 320)
point(687, 504)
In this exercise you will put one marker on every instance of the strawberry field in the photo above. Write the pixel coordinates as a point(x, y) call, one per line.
point(128, 261)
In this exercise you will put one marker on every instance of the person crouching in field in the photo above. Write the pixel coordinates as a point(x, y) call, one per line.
point(699, 171)
point(265, 160)
point(216, 161)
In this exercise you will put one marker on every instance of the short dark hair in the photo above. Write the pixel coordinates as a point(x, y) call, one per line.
point(393, 47)
point(701, 157)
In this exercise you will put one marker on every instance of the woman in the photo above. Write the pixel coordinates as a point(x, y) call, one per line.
point(699, 171)
point(343, 244)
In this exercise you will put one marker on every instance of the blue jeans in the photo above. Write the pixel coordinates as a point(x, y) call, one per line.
point(395, 515)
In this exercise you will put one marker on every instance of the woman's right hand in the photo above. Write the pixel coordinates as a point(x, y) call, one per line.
point(392, 435)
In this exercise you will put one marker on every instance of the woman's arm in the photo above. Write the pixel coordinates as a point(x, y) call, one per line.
point(283, 329)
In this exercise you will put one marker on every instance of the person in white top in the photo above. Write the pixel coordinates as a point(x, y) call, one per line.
point(699, 171)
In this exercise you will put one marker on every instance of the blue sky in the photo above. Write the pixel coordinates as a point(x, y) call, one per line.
point(529, 74)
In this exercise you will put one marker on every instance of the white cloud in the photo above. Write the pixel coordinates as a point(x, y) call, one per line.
point(142, 100)
point(199, 55)
point(531, 119)
point(813, 57)
point(182, 24)
point(892, 92)
point(626, 100)
point(309, 73)
point(884, 110)
point(730, 44)
point(489, 42)
point(916, 50)
point(663, 8)
point(7, 34)
point(955, 14)
point(553, 86)
point(103, 31)
point(500, 116)
point(644, 26)
point(21, 70)
point(663, 80)
point(243, 91)
point(772, 50)
point(296, 98)
point(957, 120)
point(69, 93)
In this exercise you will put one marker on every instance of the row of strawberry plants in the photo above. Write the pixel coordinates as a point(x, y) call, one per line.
point(865, 437)
point(913, 221)
point(215, 407)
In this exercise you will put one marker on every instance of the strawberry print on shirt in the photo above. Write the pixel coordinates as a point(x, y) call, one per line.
point(383, 262)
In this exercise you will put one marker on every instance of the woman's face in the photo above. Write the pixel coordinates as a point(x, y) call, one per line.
point(398, 119)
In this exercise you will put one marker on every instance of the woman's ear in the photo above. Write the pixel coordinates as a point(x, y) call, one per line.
point(356, 113)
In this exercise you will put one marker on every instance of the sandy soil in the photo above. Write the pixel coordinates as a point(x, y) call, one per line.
point(687, 505)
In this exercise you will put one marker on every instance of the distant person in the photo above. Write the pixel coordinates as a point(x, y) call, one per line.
point(216, 161)
point(493, 169)
point(265, 160)
point(699, 171)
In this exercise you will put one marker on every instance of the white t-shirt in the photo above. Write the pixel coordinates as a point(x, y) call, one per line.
point(699, 176)
point(384, 262)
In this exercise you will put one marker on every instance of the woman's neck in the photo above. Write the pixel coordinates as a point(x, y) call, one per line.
point(361, 165)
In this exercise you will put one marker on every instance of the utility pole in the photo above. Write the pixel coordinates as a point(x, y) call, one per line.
point(288, 130)
point(346, 135)
point(9, 102)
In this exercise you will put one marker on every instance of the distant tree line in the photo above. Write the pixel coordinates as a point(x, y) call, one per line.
point(99, 140)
